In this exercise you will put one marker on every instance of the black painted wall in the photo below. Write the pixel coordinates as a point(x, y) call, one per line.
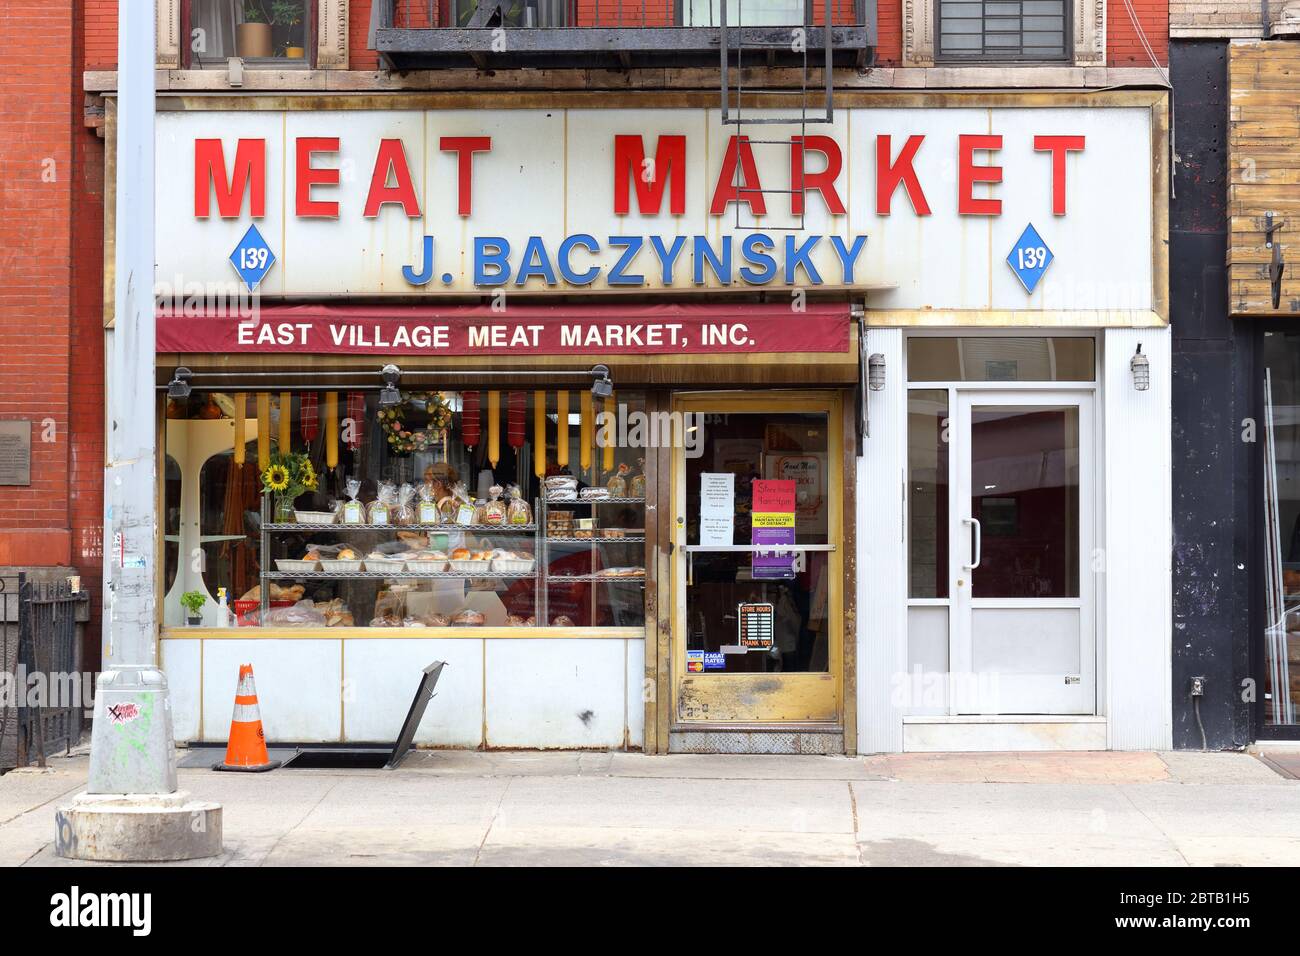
point(1213, 559)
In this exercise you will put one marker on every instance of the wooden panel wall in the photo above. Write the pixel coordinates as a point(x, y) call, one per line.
point(1264, 171)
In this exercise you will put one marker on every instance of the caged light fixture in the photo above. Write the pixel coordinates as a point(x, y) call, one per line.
point(1140, 366)
point(876, 372)
point(602, 385)
point(390, 395)
point(179, 386)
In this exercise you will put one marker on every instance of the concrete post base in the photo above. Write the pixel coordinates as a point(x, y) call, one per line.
point(127, 827)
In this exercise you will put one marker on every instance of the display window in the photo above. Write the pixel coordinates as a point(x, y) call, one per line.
point(1280, 369)
point(428, 508)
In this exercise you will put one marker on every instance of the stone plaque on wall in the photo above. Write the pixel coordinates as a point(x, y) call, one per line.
point(16, 452)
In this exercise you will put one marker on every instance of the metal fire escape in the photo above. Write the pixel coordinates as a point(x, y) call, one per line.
point(763, 45)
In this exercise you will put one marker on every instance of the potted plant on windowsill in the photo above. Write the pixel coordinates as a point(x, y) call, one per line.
point(287, 17)
point(253, 36)
point(193, 602)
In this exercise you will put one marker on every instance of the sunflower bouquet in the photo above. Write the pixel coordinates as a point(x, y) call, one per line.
point(286, 477)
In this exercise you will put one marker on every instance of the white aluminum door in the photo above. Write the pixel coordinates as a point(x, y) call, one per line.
point(1021, 554)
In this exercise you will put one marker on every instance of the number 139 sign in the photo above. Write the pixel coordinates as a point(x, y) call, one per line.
point(1029, 258)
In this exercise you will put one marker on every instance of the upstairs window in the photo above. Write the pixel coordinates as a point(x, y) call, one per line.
point(266, 33)
point(1003, 30)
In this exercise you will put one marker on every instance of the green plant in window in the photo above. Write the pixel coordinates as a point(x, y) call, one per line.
point(286, 13)
point(193, 602)
point(255, 12)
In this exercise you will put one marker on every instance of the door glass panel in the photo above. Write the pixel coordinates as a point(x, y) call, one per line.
point(927, 492)
point(1025, 494)
point(998, 358)
point(750, 448)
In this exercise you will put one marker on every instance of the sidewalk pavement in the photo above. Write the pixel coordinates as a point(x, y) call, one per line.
point(610, 809)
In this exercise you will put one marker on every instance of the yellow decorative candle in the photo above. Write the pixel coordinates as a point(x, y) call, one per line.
point(263, 430)
point(331, 429)
point(539, 434)
point(562, 429)
point(286, 420)
point(586, 431)
point(241, 406)
point(494, 428)
point(607, 453)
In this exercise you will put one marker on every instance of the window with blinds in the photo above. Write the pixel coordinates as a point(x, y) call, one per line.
point(1003, 29)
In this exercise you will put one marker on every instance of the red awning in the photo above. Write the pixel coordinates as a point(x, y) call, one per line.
point(607, 328)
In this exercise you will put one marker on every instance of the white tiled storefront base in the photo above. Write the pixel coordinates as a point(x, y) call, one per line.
point(381, 679)
point(180, 662)
point(298, 687)
point(498, 692)
point(556, 693)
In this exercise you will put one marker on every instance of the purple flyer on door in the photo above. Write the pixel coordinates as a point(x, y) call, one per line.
point(773, 565)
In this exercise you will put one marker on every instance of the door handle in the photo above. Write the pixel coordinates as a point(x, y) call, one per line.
point(979, 541)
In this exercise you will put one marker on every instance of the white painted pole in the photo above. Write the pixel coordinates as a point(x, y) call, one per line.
point(131, 737)
point(132, 810)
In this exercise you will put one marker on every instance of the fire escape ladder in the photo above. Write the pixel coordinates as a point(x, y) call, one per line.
point(764, 47)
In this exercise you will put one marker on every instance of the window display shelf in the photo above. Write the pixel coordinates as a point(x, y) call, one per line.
point(429, 528)
point(566, 578)
point(552, 502)
point(626, 539)
point(394, 575)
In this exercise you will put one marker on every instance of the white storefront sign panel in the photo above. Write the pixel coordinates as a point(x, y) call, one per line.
point(541, 195)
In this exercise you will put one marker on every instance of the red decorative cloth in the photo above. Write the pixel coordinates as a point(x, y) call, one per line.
point(309, 415)
point(515, 416)
point(356, 410)
point(470, 418)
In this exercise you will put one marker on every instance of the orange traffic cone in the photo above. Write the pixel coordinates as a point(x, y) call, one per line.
point(246, 749)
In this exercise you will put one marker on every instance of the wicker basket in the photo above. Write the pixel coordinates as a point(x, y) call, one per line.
point(389, 565)
point(313, 517)
point(470, 566)
point(336, 564)
point(295, 566)
point(513, 565)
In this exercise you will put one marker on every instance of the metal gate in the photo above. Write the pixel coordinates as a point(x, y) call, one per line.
point(44, 693)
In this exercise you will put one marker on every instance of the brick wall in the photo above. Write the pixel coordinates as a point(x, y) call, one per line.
point(889, 32)
point(100, 34)
point(86, 388)
point(51, 329)
point(1123, 46)
point(36, 175)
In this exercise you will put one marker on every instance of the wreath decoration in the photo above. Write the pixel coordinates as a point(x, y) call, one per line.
point(405, 441)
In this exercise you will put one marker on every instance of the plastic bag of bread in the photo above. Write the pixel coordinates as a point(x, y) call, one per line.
point(385, 504)
point(404, 512)
point(302, 614)
point(468, 618)
point(390, 609)
point(426, 509)
point(517, 510)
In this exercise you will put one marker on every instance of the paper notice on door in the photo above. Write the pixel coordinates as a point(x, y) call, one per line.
point(772, 523)
point(717, 508)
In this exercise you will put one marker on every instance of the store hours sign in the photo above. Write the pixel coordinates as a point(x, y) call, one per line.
point(918, 205)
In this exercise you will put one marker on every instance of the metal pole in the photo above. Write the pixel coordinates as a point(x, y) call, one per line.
point(131, 694)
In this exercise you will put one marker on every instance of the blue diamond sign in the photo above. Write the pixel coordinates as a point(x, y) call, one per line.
point(1029, 258)
point(252, 258)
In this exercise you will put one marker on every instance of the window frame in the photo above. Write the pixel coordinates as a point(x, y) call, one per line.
point(1067, 58)
point(189, 61)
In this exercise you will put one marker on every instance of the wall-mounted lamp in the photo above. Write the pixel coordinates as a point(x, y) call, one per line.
point(390, 395)
point(876, 372)
point(1141, 369)
point(179, 386)
point(603, 386)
